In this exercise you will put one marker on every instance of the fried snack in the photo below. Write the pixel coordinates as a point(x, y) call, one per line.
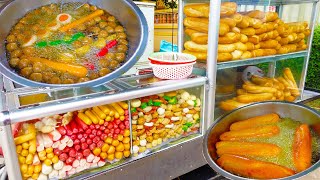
point(289, 98)
point(255, 23)
point(307, 32)
point(199, 55)
point(262, 29)
point(257, 121)
point(254, 39)
point(271, 16)
point(229, 38)
point(250, 46)
point(237, 17)
point(284, 41)
point(256, 14)
point(228, 8)
point(192, 46)
point(229, 21)
point(189, 31)
point(224, 29)
point(243, 38)
point(284, 82)
point(252, 168)
point(229, 105)
point(257, 132)
point(246, 55)
point(240, 46)
point(290, 79)
point(198, 24)
point(268, 52)
point(302, 148)
point(236, 54)
point(247, 149)
point(245, 22)
point(249, 31)
point(248, 98)
point(287, 49)
point(199, 38)
point(222, 57)
point(241, 92)
point(270, 44)
point(258, 89)
point(202, 10)
point(226, 48)
point(261, 81)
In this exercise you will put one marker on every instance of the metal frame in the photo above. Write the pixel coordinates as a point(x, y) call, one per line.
point(188, 153)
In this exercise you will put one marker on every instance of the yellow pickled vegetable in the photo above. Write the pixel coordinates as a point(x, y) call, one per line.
point(84, 118)
point(24, 138)
point(33, 146)
point(118, 108)
point(100, 114)
point(92, 117)
point(123, 105)
point(29, 159)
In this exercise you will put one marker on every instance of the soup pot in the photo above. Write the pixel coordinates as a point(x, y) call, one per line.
point(294, 111)
point(128, 14)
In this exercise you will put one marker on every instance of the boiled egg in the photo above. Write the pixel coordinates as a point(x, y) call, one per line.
point(29, 40)
point(64, 18)
point(54, 26)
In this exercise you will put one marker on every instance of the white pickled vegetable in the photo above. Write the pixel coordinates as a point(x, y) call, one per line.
point(150, 124)
point(83, 162)
point(169, 126)
point(62, 174)
point(185, 110)
point(175, 118)
point(49, 121)
point(36, 160)
point(42, 177)
point(47, 141)
point(198, 102)
point(55, 135)
point(134, 122)
point(96, 159)
point(101, 163)
point(193, 97)
point(190, 103)
point(47, 129)
point(135, 149)
point(39, 125)
point(185, 95)
point(147, 109)
point(189, 116)
point(140, 114)
point(161, 111)
point(58, 166)
point(143, 142)
point(53, 174)
point(135, 103)
point(46, 169)
point(76, 163)
point(180, 101)
point(90, 158)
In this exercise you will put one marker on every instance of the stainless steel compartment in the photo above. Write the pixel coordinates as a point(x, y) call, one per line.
point(125, 11)
point(297, 112)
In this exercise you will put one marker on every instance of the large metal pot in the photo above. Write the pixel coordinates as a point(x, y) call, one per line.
point(297, 112)
point(125, 11)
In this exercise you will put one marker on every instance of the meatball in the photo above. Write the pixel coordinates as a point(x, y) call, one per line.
point(110, 56)
point(16, 53)
point(11, 38)
point(122, 35)
point(36, 77)
point(103, 63)
point(38, 67)
point(103, 24)
point(111, 19)
point(24, 63)
point(29, 51)
point(103, 34)
point(12, 46)
point(14, 62)
point(122, 48)
point(109, 29)
point(120, 57)
point(25, 72)
point(119, 29)
point(104, 71)
point(113, 64)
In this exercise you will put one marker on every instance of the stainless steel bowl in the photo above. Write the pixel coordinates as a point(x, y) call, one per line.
point(129, 15)
point(294, 111)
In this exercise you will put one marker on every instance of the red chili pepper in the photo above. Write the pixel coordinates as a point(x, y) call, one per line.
point(105, 49)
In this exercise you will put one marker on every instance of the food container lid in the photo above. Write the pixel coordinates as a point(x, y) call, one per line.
point(167, 58)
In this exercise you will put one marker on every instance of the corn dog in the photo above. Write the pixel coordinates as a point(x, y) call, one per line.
point(252, 168)
point(248, 98)
point(289, 77)
point(247, 149)
point(264, 131)
point(302, 151)
point(255, 122)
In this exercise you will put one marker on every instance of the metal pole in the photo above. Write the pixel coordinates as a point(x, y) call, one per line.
point(213, 35)
point(315, 10)
point(180, 25)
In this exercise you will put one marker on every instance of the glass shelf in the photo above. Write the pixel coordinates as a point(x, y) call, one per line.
point(260, 2)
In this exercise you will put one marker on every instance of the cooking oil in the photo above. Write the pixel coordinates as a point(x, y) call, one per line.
point(285, 141)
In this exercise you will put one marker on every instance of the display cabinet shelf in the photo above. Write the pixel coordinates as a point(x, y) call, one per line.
point(260, 2)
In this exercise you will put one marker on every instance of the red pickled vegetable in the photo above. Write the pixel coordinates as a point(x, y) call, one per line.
point(57, 151)
point(122, 132)
point(66, 150)
point(85, 136)
point(94, 132)
point(110, 126)
point(97, 126)
point(92, 146)
point(63, 157)
point(117, 131)
point(70, 160)
point(115, 136)
point(100, 144)
point(77, 141)
point(106, 131)
point(126, 112)
point(77, 147)
point(84, 146)
point(80, 136)
point(105, 124)
point(62, 130)
point(102, 128)
point(115, 126)
point(92, 126)
point(89, 141)
point(81, 124)
point(117, 121)
point(99, 133)
point(79, 155)
point(88, 131)
point(1, 152)
point(122, 126)
point(96, 139)
point(15, 131)
point(110, 135)
point(72, 153)
point(126, 123)
point(104, 136)
point(83, 140)
point(105, 49)
point(91, 136)
point(86, 152)
point(127, 127)
point(68, 129)
point(74, 127)
point(73, 136)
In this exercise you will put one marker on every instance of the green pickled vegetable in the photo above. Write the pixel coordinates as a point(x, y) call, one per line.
point(167, 98)
point(188, 124)
point(195, 103)
point(42, 44)
point(144, 105)
point(150, 102)
point(173, 100)
point(133, 110)
point(158, 104)
point(185, 128)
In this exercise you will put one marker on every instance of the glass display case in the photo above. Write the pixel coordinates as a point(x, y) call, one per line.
point(167, 118)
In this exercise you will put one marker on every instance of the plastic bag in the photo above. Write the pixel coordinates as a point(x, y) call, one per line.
point(166, 46)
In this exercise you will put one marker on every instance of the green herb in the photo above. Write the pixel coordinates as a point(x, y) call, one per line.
point(189, 124)
point(157, 103)
point(150, 102)
point(133, 110)
point(185, 128)
point(167, 98)
point(173, 100)
point(195, 103)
